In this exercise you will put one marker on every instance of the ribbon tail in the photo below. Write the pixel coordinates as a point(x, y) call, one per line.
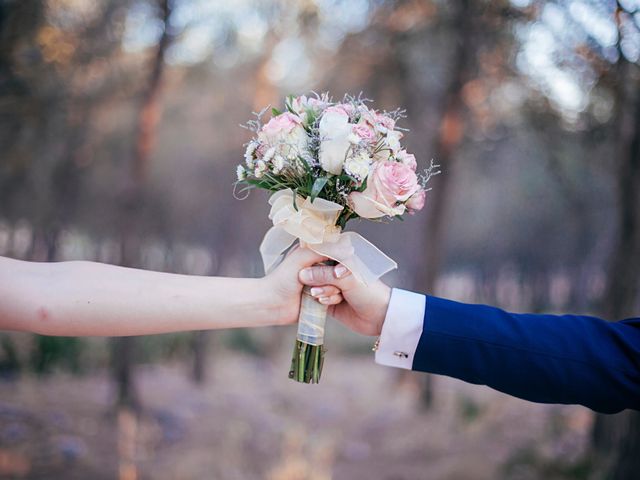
point(366, 261)
point(274, 244)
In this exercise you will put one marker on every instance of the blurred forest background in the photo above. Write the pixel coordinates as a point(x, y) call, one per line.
point(119, 132)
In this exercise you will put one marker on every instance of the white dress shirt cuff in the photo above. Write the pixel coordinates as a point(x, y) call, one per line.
point(401, 330)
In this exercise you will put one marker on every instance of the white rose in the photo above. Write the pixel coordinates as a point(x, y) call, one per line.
point(334, 134)
point(358, 166)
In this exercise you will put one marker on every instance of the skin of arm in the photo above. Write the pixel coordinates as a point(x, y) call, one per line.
point(92, 299)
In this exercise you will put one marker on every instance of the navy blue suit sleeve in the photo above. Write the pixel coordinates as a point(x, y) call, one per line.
point(542, 358)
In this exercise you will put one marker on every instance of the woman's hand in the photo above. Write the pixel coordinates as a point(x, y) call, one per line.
point(284, 288)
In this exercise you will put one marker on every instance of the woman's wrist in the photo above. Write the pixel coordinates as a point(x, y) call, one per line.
point(271, 306)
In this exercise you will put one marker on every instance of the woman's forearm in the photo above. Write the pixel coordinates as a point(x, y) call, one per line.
point(86, 298)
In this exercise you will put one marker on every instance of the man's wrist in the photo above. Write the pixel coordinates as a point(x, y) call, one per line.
point(401, 329)
point(385, 295)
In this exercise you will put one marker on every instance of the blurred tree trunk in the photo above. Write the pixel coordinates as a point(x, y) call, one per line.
point(199, 348)
point(123, 348)
point(446, 144)
point(449, 138)
point(616, 439)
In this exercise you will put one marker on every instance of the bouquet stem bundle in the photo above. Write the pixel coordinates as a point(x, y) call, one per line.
point(308, 354)
point(306, 362)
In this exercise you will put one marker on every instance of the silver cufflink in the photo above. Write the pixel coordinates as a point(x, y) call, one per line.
point(401, 354)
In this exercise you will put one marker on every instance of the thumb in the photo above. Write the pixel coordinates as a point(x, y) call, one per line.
point(318, 276)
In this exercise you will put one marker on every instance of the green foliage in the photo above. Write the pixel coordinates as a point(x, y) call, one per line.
point(528, 463)
point(242, 340)
point(9, 360)
point(51, 353)
point(468, 409)
point(153, 348)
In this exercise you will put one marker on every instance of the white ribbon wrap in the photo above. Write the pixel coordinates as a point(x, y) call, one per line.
point(314, 224)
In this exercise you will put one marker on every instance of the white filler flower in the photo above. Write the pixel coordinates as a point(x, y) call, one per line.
point(358, 165)
point(248, 154)
point(241, 173)
point(261, 168)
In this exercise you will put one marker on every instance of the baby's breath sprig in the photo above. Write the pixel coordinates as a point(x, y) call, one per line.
point(255, 125)
point(428, 174)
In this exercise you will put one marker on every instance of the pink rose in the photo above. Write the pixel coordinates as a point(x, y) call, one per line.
point(378, 121)
point(344, 108)
point(416, 201)
point(389, 183)
point(365, 132)
point(282, 124)
point(384, 120)
point(408, 159)
point(286, 133)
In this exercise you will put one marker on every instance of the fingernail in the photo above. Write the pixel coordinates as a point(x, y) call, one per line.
point(340, 271)
point(315, 291)
point(323, 300)
point(306, 275)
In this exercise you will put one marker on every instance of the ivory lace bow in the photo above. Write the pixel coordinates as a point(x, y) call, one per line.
point(314, 224)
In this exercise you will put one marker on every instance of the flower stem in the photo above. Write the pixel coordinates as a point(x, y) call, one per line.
point(306, 362)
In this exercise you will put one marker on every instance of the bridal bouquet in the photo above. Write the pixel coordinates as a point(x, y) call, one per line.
point(327, 163)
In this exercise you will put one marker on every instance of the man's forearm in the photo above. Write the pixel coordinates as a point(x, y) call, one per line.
point(542, 358)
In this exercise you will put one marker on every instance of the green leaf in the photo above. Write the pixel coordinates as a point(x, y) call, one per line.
point(347, 178)
point(295, 195)
point(318, 185)
point(305, 165)
point(275, 112)
point(288, 102)
point(311, 116)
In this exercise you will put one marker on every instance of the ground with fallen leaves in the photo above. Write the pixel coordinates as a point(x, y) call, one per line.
point(250, 422)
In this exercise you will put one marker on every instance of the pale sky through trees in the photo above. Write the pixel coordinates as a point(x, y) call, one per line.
point(230, 32)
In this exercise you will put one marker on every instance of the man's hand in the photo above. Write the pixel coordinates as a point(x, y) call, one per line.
point(366, 305)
